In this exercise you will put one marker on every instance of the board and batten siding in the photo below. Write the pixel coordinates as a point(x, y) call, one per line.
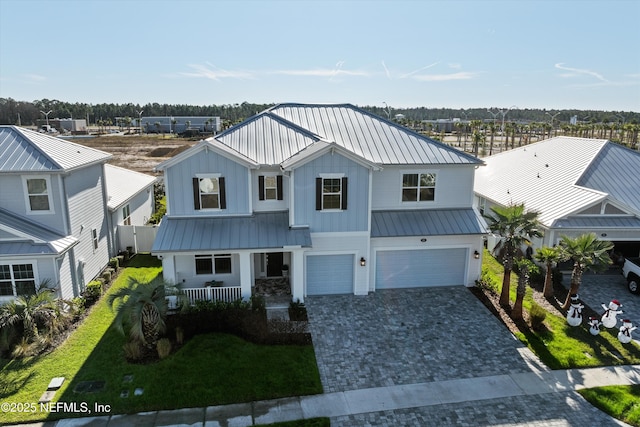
point(454, 187)
point(269, 205)
point(179, 181)
point(354, 218)
point(87, 211)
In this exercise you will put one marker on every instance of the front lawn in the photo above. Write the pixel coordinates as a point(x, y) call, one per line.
point(209, 369)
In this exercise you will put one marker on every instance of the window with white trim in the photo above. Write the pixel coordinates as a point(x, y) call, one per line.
point(38, 194)
point(126, 215)
point(17, 279)
point(210, 264)
point(270, 187)
point(209, 192)
point(418, 187)
point(331, 192)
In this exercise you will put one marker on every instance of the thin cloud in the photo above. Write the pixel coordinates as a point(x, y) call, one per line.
point(404, 76)
point(35, 78)
point(210, 71)
point(386, 70)
point(573, 72)
point(463, 75)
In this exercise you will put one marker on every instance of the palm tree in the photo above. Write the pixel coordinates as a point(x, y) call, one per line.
point(517, 227)
point(478, 137)
point(522, 268)
point(142, 310)
point(587, 253)
point(492, 128)
point(548, 256)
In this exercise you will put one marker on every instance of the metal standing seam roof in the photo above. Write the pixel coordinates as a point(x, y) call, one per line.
point(267, 230)
point(608, 221)
point(285, 129)
point(542, 175)
point(616, 171)
point(40, 241)
point(124, 184)
point(434, 222)
point(24, 150)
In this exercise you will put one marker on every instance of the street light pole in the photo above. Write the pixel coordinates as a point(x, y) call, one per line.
point(552, 118)
point(388, 110)
point(140, 120)
point(46, 115)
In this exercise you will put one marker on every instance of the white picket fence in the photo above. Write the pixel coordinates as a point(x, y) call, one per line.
point(224, 293)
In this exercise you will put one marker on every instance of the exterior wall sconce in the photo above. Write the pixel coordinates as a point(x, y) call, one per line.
point(363, 262)
point(476, 255)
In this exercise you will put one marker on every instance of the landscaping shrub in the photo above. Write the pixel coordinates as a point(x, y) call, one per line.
point(92, 292)
point(133, 351)
point(488, 281)
point(163, 346)
point(114, 263)
point(106, 276)
point(537, 315)
point(297, 311)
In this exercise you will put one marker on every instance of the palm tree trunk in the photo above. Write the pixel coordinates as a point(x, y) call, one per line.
point(506, 281)
point(548, 283)
point(576, 278)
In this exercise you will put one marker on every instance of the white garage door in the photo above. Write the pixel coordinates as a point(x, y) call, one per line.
point(420, 268)
point(330, 274)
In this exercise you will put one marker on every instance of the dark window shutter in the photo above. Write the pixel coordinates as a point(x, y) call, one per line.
point(318, 194)
point(260, 187)
point(223, 193)
point(196, 193)
point(344, 193)
point(279, 185)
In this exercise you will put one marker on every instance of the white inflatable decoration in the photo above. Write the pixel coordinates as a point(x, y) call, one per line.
point(594, 325)
point(574, 315)
point(624, 336)
point(609, 318)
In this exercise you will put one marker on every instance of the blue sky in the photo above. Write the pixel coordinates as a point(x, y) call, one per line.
point(554, 54)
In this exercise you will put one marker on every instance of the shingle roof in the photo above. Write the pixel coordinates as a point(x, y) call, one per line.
point(285, 129)
point(32, 238)
point(24, 150)
point(544, 176)
point(433, 222)
point(123, 184)
point(259, 231)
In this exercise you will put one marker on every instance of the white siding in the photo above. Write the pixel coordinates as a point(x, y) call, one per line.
point(454, 187)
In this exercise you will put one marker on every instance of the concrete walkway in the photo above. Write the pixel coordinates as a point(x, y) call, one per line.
point(350, 404)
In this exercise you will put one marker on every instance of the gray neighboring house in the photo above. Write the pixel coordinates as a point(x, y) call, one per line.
point(578, 185)
point(54, 215)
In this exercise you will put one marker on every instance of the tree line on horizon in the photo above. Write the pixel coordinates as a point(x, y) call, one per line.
point(30, 113)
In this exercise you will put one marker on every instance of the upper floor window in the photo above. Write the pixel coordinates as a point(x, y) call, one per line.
point(94, 239)
point(270, 187)
point(209, 192)
point(126, 215)
point(331, 193)
point(418, 187)
point(17, 279)
point(38, 194)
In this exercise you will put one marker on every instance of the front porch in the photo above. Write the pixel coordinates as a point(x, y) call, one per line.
point(275, 290)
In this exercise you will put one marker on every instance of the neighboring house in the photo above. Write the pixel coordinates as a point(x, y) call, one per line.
point(348, 201)
point(577, 185)
point(53, 213)
point(131, 201)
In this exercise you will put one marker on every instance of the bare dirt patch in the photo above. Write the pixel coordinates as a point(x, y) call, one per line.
point(138, 152)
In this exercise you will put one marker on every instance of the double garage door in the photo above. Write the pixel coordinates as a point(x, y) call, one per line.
point(420, 268)
point(334, 274)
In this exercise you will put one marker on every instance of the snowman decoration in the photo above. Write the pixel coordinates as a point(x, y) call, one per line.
point(624, 336)
point(574, 315)
point(594, 325)
point(609, 319)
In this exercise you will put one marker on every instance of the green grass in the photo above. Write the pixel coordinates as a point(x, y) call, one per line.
point(565, 347)
point(208, 370)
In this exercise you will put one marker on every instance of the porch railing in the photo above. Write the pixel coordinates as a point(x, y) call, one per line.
point(225, 293)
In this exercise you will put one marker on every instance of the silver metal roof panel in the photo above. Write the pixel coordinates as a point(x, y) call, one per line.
point(39, 239)
point(603, 221)
point(434, 222)
point(24, 150)
point(124, 184)
point(267, 230)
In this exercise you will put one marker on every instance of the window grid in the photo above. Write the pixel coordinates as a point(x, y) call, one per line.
point(17, 279)
point(38, 194)
point(209, 193)
point(418, 187)
point(331, 193)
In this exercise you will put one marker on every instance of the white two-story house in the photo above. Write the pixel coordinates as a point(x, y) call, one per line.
point(348, 201)
point(56, 224)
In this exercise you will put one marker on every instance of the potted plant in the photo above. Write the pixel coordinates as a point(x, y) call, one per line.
point(285, 270)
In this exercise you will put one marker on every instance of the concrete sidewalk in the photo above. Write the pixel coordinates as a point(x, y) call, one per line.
point(374, 399)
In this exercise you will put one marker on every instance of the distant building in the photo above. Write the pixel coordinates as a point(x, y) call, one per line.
point(75, 126)
point(181, 124)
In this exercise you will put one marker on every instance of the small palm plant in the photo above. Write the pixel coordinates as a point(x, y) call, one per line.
point(142, 310)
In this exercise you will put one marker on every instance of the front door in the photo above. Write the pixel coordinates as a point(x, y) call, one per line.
point(274, 264)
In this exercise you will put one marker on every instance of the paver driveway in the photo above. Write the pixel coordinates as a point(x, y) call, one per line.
point(602, 288)
point(408, 336)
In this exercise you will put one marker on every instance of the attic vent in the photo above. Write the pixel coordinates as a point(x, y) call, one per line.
point(538, 174)
point(546, 165)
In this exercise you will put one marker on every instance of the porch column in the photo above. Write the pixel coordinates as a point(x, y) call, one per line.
point(296, 275)
point(169, 269)
point(245, 274)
